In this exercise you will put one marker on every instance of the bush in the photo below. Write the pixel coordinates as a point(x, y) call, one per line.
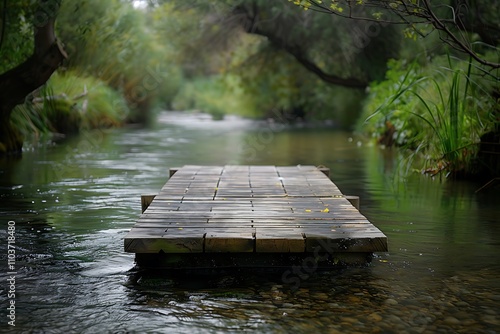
point(69, 103)
point(386, 112)
point(217, 96)
point(100, 106)
point(112, 41)
point(440, 110)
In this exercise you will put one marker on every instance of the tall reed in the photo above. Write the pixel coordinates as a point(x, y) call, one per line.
point(450, 125)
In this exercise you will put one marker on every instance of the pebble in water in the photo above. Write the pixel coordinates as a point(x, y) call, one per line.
point(391, 301)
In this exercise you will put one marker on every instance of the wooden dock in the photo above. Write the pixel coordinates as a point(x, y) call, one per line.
point(251, 216)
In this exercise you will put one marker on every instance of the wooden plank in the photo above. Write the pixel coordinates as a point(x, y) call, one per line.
point(184, 240)
point(279, 240)
point(167, 222)
point(237, 240)
point(314, 205)
point(341, 227)
point(167, 240)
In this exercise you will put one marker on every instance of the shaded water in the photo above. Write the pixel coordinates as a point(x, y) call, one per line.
point(73, 203)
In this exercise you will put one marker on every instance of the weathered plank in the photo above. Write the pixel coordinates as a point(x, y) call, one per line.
point(279, 240)
point(229, 240)
point(165, 240)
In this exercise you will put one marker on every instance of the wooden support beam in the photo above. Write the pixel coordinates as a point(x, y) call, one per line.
point(146, 200)
point(324, 170)
point(354, 200)
point(172, 171)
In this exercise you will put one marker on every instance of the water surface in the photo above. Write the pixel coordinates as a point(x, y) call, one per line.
point(74, 202)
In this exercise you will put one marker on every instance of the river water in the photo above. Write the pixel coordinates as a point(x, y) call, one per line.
point(72, 204)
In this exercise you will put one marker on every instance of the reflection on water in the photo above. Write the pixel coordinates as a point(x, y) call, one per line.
point(74, 202)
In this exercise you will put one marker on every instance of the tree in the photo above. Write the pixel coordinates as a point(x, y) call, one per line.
point(337, 52)
point(288, 31)
point(18, 82)
point(450, 19)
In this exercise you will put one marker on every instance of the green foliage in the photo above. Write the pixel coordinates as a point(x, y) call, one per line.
point(217, 96)
point(441, 113)
point(69, 103)
point(276, 90)
point(386, 111)
point(459, 24)
point(114, 52)
point(116, 43)
point(291, 92)
point(212, 41)
point(247, 88)
point(17, 43)
point(453, 125)
point(28, 120)
point(180, 27)
point(61, 114)
point(100, 106)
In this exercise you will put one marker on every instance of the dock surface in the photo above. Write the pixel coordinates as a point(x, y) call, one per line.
point(231, 216)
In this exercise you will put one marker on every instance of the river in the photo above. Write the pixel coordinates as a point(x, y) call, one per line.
point(72, 204)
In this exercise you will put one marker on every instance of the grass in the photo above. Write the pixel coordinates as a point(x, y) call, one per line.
point(69, 103)
point(100, 105)
point(448, 120)
point(445, 111)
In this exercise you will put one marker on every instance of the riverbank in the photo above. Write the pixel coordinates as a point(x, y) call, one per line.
point(446, 112)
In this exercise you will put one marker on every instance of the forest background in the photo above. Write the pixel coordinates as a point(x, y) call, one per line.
point(408, 84)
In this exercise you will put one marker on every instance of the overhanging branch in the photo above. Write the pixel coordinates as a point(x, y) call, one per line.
point(251, 25)
point(326, 77)
point(407, 13)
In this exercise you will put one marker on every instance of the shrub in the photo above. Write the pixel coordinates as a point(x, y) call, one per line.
point(69, 103)
point(440, 110)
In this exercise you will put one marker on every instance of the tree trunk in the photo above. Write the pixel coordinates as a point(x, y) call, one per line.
point(18, 82)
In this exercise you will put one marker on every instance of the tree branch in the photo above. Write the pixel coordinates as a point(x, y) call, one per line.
point(326, 77)
point(422, 14)
point(441, 26)
point(251, 25)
